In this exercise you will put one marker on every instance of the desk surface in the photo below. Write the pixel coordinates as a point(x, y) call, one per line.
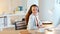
point(30, 32)
point(13, 31)
point(9, 31)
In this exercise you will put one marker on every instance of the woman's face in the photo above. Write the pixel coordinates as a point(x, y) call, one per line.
point(34, 9)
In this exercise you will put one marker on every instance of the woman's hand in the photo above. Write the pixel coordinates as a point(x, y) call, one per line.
point(40, 26)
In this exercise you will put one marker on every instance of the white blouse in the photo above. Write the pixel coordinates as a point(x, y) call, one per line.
point(32, 22)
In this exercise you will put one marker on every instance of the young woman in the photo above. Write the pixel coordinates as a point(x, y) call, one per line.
point(32, 18)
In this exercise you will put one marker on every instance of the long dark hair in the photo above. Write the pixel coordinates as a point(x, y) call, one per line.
point(29, 13)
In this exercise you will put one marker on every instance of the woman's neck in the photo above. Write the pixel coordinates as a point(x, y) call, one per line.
point(35, 14)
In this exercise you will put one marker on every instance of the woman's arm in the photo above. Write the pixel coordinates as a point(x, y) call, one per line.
point(40, 24)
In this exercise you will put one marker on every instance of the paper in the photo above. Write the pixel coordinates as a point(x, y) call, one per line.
point(41, 30)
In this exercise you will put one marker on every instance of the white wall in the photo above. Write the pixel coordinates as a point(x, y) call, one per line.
point(4, 6)
point(56, 14)
point(49, 10)
point(8, 6)
point(46, 6)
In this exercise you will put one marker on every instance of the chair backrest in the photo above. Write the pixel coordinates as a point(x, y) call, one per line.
point(20, 25)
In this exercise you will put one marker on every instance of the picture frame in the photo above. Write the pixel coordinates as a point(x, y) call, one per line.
point(20, 8)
